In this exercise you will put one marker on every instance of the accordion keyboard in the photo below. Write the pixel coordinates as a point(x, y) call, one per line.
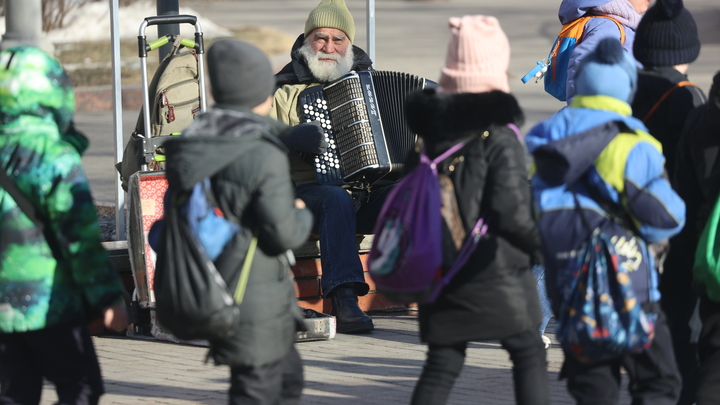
point(327, 165)
point(362, 117)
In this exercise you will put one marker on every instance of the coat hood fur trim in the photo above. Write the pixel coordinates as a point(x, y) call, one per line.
point(436, 116)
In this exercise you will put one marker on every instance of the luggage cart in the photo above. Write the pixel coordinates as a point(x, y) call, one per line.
point(147, 187)
point(146, 191)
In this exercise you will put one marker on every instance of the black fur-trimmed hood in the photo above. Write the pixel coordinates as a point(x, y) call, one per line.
point(437, 117)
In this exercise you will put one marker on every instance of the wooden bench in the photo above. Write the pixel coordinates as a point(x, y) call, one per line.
point(307, 274)
point(145, 198)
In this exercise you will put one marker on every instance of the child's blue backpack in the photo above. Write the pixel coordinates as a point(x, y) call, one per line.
point(558, 60)
point(207, 223)
point(600, 317)
point(406, 257)
point(192, 299)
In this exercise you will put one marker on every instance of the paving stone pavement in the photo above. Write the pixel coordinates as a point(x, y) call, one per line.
point(378, 368)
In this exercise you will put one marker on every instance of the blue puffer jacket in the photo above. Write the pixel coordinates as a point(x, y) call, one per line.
point(596, 147)
point(595, 30)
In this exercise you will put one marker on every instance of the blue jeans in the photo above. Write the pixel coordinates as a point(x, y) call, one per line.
point(337, 220)
point(539, 272)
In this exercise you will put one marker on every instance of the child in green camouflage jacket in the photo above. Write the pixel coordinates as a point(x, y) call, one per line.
point(53, 281)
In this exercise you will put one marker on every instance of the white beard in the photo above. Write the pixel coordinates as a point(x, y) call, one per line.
point(327, 71)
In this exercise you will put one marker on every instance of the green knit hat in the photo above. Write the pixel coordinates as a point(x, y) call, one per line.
point(331, 14)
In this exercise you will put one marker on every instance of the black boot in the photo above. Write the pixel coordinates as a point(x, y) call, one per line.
point(350, 318)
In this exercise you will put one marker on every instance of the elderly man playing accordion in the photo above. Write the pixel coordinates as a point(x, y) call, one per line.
point(322, 54)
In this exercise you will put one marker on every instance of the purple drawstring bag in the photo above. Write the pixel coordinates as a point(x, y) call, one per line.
point(406, 255)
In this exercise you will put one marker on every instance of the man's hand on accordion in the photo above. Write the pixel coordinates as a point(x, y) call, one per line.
point(306, 138)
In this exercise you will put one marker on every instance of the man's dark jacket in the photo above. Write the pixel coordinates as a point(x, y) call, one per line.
point(697, 174)
point(666, 123)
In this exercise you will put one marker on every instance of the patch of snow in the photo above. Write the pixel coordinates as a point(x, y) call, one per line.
point(91, 22)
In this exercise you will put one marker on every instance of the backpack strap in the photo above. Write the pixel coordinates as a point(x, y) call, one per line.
point(472, 240)
point(245, 272)
point(21, 200)
point(666, 95)
point(516, 130)
point(619, 25)
point(615, 212)
point(478, 231)
point(29, 209)
point(576, 29)
point(434, 162)
point(468, 248)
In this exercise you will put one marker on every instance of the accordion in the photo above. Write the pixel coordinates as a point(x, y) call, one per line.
point(363, 117)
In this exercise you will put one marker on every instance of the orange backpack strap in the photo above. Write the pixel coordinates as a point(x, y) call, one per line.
point(665, 95)
point(576, 29)
point(573, 29)
point(619, 25)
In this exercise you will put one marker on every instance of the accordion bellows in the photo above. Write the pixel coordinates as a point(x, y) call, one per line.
point(362, 115)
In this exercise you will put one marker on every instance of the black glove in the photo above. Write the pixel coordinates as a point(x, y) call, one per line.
point(306, 138)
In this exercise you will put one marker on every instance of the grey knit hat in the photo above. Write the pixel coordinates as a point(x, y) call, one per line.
point(240, 73)
point(666, 36)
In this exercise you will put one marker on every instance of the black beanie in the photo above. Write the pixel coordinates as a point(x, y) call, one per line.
point(240, 73)
point(666, 36)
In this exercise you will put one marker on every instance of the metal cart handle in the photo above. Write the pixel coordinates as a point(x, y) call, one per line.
point(144, 47)
point(188, 43)
point(171, 19)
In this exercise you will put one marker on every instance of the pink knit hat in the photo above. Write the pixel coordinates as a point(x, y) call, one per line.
point(478, 56)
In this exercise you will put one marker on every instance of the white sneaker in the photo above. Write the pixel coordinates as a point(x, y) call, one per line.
point(546, 340)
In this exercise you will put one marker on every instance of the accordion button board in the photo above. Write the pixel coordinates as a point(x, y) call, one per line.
point(327, 165)
point(362, 116)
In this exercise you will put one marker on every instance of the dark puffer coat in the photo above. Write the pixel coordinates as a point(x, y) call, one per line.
point(253, 188)
point(697, 174)
point(666, 123)
point(494, 296)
